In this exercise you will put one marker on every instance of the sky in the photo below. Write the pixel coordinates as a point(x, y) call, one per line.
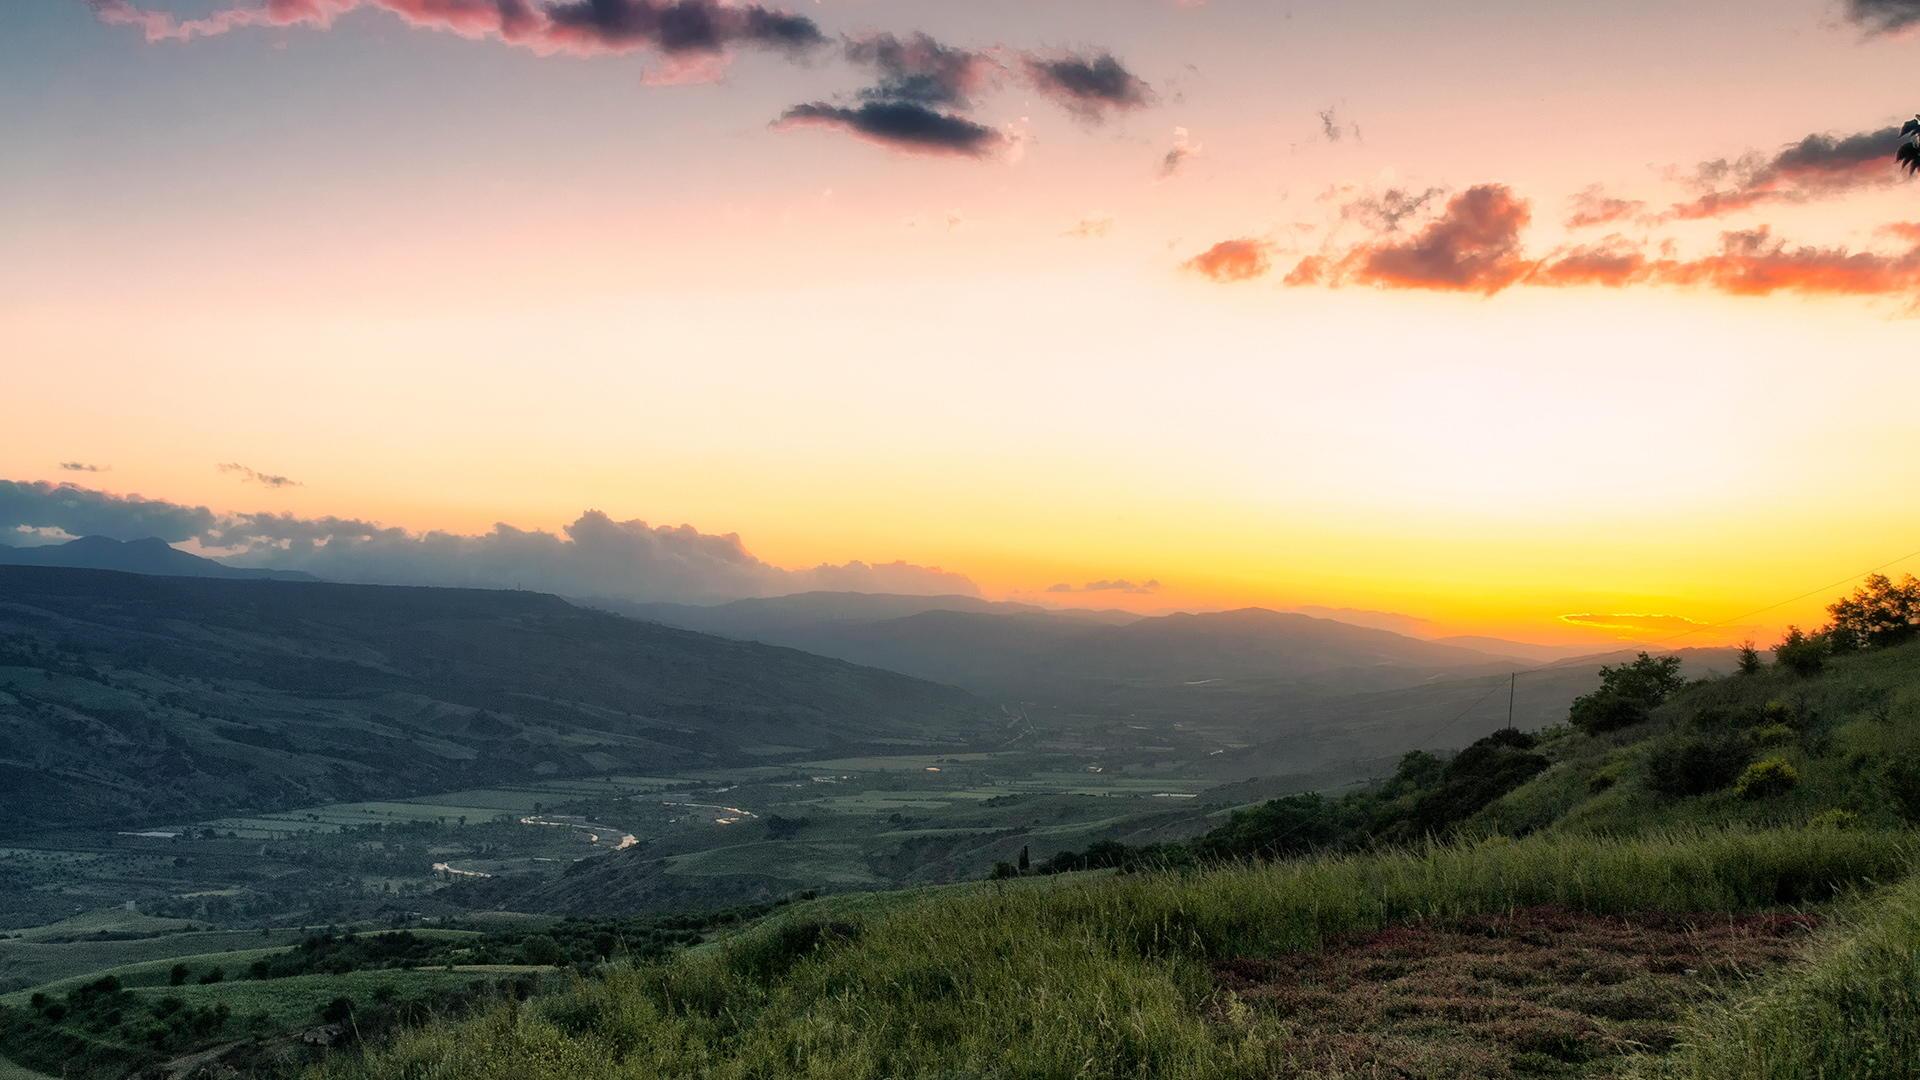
point(1492, 314)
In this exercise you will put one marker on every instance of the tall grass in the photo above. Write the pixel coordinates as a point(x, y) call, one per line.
point(1081, 976)
point(1852, 1012)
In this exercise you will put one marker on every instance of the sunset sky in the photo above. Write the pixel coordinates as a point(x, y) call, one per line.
point(1487, 313)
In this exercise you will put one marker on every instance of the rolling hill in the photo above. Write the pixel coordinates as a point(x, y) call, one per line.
point(149, 556)
point(1214, 666)
point(138, 698)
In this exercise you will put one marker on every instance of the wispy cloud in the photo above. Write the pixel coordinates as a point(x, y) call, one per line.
point(1475, 245)
point(81, 466)
point(1818, 166)
point(1333, 129)
point(1091, 227)
point(1634, 622)
point(1233, 260)
point(1592, 206)
point(1386, 211)
point(1119, 585)
point(1177, 155)
point(254, 476)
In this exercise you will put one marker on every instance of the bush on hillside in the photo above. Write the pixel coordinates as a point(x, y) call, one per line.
point(1628, 694)
point(1696, 765)
point(1902, 782)
point(1803, 653)
point(1766, 779)
point(1750, 662)
point(1276, 828)
point(1484, 771)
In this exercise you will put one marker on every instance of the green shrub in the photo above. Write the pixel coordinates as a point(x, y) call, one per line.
point(1772, 735)
point(1834, 819)
point(1605, 778)
point(1766, 779)
point(1696, 765)
point(1803, 653)
point(1902, 782)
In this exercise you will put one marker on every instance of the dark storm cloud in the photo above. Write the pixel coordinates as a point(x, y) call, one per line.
point(916, 68)
point(899, 125)
point(1884, 16)
point(1091, 87)
point(680, 26)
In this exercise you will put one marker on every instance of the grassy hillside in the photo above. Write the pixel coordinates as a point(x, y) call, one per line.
point(130, 699)
point(1099, 976)
point(1847, 735)
point(1712, 879)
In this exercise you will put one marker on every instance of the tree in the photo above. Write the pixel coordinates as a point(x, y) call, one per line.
point(540, 950)
point(1802, 653)
point(1879, 613)
point(177, 976)
point(1628, 693)
point(1024, 863)
point(1750, 662)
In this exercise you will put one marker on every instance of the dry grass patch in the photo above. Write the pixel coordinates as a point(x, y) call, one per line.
point(1540, 992)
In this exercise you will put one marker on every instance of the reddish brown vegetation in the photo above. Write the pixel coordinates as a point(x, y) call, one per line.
point(1541, 992)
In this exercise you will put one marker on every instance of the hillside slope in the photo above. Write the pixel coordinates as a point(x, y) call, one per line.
point(1646, 900)
point(142, 698)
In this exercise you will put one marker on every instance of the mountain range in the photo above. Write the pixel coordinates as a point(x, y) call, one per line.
point(1026, 652)
point(136, 698)
point(149, 556)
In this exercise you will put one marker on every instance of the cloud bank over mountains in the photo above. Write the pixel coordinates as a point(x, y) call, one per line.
point(593, 556)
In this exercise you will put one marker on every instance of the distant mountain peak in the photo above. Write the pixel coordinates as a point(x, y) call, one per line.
point(146, 555)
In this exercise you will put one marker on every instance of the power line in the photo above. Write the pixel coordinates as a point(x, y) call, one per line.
point(1513, 677)
point(1789, 600)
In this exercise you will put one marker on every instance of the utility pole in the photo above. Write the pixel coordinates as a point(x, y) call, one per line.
point(1512, 681)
